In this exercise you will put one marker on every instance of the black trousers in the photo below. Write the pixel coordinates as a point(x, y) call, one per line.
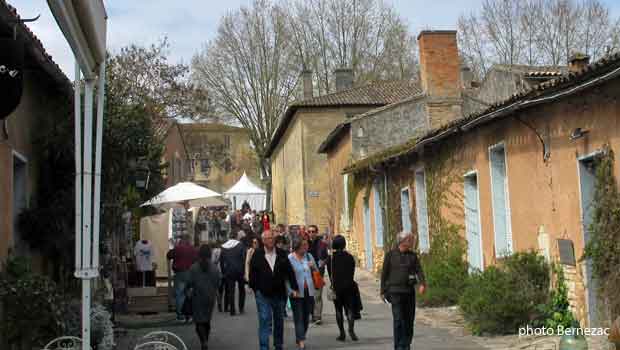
point(230, 293)
point(403, 312)
point(203, 330)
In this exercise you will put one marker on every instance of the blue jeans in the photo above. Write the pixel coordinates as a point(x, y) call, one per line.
point(180, 282)
point(403, 311)
point(270, 309)
point(302, 308)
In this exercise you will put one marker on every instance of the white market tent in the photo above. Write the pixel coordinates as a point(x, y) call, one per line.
point(246, 190)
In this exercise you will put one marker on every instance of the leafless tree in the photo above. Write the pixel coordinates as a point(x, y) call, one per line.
point(365, 35)
point(535, 32)
point(249, 68)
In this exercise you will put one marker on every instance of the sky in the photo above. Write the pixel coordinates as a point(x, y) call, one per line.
point(189, 24)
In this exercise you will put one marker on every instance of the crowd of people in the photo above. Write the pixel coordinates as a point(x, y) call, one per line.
point(286, 267)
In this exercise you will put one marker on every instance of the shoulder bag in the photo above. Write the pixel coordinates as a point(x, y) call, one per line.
point(317, 279)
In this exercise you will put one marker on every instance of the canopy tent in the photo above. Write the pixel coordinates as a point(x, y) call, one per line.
point(196, 195)
point(246, 190)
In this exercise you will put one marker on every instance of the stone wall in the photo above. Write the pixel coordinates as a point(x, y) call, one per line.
point(576, 291)
point(387, 127)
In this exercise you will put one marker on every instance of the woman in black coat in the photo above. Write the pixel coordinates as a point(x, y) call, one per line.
point(341, 268)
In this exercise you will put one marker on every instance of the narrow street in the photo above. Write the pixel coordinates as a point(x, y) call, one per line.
point(374, 330)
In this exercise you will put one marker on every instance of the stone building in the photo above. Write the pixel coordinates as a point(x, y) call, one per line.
point(516, 176)
point(300, 186)
point(218, 155)
point(46, 93)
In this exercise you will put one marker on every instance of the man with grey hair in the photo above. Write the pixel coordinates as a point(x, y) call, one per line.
point(401, 272)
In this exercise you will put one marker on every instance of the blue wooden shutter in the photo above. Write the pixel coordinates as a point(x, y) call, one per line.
point(499, 200)
point(405, 210)
point(378, 213)
point(421, 211)
point(472, 222)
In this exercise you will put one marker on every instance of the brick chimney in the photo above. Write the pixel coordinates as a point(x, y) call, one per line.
point(440, 75)
point(306, 77)
point(577, 62)
point(440, 66)
point(344, 78)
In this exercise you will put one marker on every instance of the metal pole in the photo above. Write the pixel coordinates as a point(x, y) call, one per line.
point(78, 168)
point(99, 136)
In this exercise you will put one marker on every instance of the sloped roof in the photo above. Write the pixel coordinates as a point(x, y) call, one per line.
point(596, 73)
point(532, 71)
point(376, 93)
point(333, 136)
point(34, 47)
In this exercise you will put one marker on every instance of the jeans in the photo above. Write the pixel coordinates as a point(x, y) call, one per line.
point(180, 282)
point(302, 308)
point(270, 309)
point(230, 293)
point(318, 304)
point(403, 311)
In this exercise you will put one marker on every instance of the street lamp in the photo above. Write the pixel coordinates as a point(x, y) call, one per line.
point(83, 24)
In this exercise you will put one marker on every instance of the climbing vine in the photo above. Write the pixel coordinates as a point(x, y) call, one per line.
point(603, 247)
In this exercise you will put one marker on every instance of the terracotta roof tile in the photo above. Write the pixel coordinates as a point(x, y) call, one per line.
point(567, 82)
point(376, 93)
point(52, 67)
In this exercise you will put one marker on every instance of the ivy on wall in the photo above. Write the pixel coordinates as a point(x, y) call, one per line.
point(604, 246)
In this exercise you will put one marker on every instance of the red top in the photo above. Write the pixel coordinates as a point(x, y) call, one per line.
point(265, 222)
point(183, 255)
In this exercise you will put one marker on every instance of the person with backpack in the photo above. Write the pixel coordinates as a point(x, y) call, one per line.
point(401, 273)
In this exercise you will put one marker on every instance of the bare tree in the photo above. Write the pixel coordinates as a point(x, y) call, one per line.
point(535, 32)
point(249, 69)
point(365, 35)
point(473, 44)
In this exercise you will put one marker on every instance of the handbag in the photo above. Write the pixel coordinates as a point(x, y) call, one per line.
point(317, 279)
point(331, 293)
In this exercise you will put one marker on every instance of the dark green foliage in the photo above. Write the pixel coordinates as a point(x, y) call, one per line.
point(556, 311)
point(505, 297)
point(445, 269)
point(604, 246)
point(32, 305)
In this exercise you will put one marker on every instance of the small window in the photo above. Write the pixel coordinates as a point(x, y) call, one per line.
point(360, 132)
point(227, 141)
point(421, 211)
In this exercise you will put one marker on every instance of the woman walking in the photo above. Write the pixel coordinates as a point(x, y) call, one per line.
point(302, 300)
point(248, 257)
point(204, 281)
point(341, 269)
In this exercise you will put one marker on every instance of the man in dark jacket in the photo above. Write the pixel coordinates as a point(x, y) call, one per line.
point(401, 272)
point(232, 263)
point(270, 271)
point(318, 249)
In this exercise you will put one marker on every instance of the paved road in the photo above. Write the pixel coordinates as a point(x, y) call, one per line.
point(374, 331)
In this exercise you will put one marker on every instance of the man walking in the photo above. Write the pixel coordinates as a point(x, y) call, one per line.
point(232, 262)
point(401, 272)
point(318, 249)
point(183, 255)
point(270, 270)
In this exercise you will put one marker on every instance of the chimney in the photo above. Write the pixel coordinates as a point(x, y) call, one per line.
point(344, 78)
point(577, 62)
point(306, 77)
point(467, 77)
point(440, 66)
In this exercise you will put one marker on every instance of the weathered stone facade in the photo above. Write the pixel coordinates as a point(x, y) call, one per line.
point(218, 155)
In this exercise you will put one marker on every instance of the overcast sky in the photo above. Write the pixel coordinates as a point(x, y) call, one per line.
point(190, 23)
